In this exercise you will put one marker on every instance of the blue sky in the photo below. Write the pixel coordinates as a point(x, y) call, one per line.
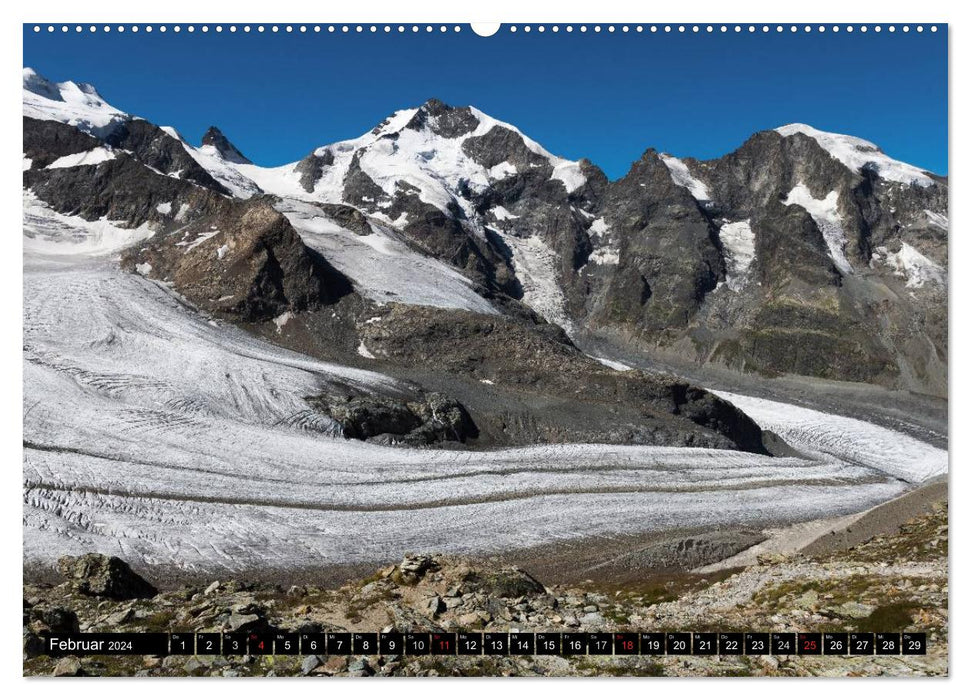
point(603, 96)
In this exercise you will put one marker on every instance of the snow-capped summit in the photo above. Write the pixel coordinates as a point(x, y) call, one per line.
point(77, 104)
point(444, 155)
point(215, 140)
point(443, 152)
point(858, 154)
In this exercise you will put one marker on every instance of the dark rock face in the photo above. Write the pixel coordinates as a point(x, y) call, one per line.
point(311, 168)
point(130, 188)
point(104, 576)
point(46, 141)
point(642, 260)
point(668, 258)
point(803, 314)
point(121, 190)
point(445, 236)
point(446, 121)
point(350, 218)
point(537, 360)
point(425, 420)
point(215, 138)
point(502, 145)
point(245, 262)
point(159, 150)
point(232, 257)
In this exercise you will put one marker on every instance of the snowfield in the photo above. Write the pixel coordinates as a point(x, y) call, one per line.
point(51, 233)
point(394, 157)
point(823, 434)
point(170, 439)
point(535, 265)
point(383, 267)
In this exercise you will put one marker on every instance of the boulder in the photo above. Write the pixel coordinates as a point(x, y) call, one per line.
point(55, 620)
point(309, 663)
point(413, 567)
point(104, 576)
point(68, 666)
point(506, 582)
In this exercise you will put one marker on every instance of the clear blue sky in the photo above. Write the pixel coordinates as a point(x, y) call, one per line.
point(603, 96)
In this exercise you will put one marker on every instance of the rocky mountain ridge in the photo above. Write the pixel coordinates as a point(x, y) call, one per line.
point(801, 252)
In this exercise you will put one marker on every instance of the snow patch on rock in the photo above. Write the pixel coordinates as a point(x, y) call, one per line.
point(936, 219)
point(738, 245)
point(568, 172)
point(682, 176)
point(613, 364)
point(598, 227)
point(96, 155)
point(382, 266)
point(502, 170)
point(281, 320)
point(605, 256)
point(825, 213)
point(910, 263)
point(503, 214)
point(535, 265)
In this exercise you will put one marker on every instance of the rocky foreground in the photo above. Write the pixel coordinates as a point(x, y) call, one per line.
point(891, 582)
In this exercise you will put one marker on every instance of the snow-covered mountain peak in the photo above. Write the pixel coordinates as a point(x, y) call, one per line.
point(858, 154)
point(215, 141)
point(39, 85)
point(77, 104)
point(439, 151)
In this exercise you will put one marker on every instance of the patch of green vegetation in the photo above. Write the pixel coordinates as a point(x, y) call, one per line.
point(924, 538)
point(640, 668)
point(772, 595)
point(485, 666)
point(742, 671)
point(159, 621)
point(664, 588)
point(617, 615)
point(894, 617)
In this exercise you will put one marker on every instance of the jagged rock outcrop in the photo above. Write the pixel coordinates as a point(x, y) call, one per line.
point(215, 139)
point(245, 262)
point(45, 141)
point(161, 151)
point(536, 359)
point(424, 420)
